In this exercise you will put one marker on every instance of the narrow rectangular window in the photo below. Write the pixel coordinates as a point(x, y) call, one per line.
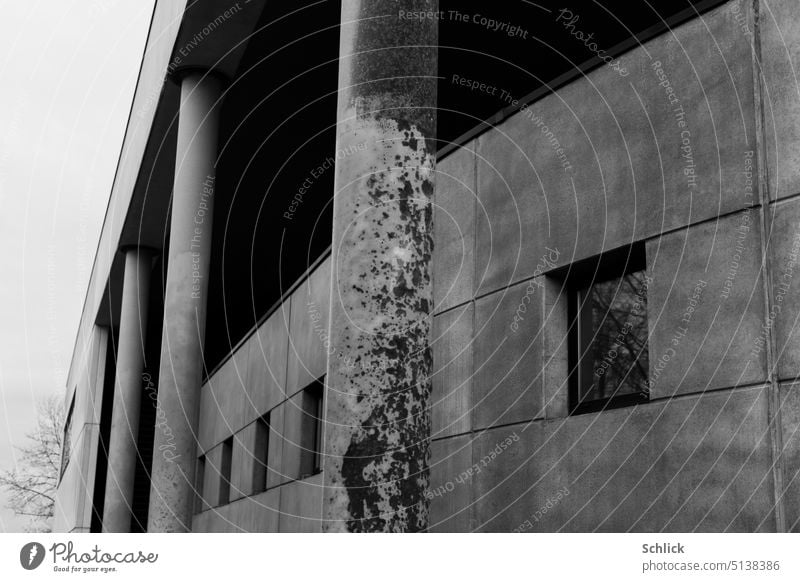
point(261, 454)
point(201, 474)
point(311, 439)
point(225, 472)
point(608, 332)
point(66, 447)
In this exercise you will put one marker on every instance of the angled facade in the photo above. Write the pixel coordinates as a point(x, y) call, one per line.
point(567, 304)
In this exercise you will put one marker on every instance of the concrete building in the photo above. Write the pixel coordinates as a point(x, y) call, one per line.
point(612, 342)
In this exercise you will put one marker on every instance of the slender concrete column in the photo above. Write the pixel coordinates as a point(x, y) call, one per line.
point(377, 429)
point(172, 488)
point(122, 448)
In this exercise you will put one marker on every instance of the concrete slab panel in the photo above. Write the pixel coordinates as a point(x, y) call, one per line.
point(599, 164)
point(275, 472)
point(451, 485)
point(779, 35)
point(784, 253)
point(266, 365)
point(454, 229)
point(451, 408)
point(700, 463)
point(508, 377)
point(301, 506)
point(705, 307)
point(308, 358)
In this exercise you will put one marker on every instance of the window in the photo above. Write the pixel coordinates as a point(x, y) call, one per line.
point(608, 331)
point(311, 435)
point(261, 454)
point(225, 472)
point(201, 473)
point(66, 448)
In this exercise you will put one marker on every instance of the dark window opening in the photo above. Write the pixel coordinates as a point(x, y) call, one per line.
point(608, 333)
point(66, 447)
point(226, 458)
point(199, 480)
point(261, 454)
point(311, 435)
point(106, 410)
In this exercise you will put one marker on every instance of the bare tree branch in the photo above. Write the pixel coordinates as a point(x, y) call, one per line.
point(32, 484)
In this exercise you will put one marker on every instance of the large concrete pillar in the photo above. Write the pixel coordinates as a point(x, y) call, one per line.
point(377, 414)
point(172, 484)
point(122, 448)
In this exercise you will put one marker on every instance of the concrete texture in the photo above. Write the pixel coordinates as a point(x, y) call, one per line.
point(243, 462)
point(298, 438)
point(122, 453)
point(257, 514)
point(693, 464)
point(622, 139)
point(301, 506)
point(308, 350)
point(779, 35)
point(266, 365)
point(716, 344)
point(508, 380)
point(784, 253)
point(451, 397)
point(700, 461)
point(73, 507)
point(378, 419)
point(451, 485)
point(789, 406)
point(185, 305)
point(555, 356)
point(455, 199)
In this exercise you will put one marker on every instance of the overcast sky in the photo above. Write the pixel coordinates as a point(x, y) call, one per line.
point(68, 69)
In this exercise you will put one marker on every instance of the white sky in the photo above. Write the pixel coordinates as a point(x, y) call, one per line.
point(68, 69)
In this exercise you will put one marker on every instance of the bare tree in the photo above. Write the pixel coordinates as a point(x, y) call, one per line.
point(32, 484)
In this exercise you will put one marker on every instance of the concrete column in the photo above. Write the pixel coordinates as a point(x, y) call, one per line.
point(377, 430)
point(174, 454)
point(122, 448)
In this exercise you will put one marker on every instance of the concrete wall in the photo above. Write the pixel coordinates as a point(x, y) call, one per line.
point(73, 508)
point(267, 374)
point(694, 155)
point(704, 453)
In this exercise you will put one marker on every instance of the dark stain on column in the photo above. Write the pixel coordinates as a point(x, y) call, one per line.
point(378, 417)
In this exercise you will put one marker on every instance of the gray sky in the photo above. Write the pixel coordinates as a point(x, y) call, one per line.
point(68, 69)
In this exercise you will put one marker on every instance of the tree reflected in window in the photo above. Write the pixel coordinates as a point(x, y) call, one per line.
point(609, 352)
